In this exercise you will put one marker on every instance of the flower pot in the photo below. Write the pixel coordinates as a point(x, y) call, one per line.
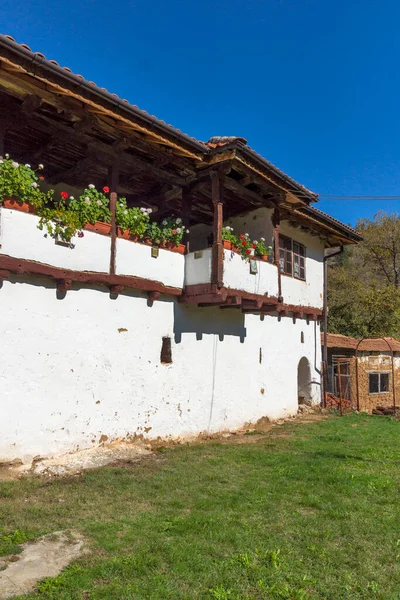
point(123, 233)
point(227, 245)
point(21, 206)
point(99, 227)
point(264, 257)
point(180, 248)
point(230, 246)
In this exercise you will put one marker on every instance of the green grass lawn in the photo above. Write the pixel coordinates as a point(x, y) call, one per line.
point(307, 511)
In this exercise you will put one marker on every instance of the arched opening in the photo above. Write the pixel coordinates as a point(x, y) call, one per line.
point(303, 381)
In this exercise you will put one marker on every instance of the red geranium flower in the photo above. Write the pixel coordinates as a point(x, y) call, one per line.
point(254, 246)
point(106, 189)
point(174, 231)
point(244, 243)
point(248, 251)
point(242, 236)
point(64, 195)
point(41, 177)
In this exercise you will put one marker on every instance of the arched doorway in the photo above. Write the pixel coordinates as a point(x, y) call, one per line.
point(303, 381)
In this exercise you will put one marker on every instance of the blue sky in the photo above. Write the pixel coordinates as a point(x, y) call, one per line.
point(313, 85)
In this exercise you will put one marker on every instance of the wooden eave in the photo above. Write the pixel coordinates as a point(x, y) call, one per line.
point(331, 234)
point(50, 116)
point(19, 66)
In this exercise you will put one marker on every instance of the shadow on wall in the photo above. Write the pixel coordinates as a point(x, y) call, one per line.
point(206, 321)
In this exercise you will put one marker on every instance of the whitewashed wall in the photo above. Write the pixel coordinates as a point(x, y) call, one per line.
point(136, 259)
point(21, 238)
point(237, 275)
point(256, 223)
point(198, 270)
point(309, 292)
point(76, 369)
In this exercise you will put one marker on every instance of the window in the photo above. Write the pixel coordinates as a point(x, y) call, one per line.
point(379, 383)
point(292, 258)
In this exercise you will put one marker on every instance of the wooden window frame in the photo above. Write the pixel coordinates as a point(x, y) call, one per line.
point(291, 252)
point(379, 373)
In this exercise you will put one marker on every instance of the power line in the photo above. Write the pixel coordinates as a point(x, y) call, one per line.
point(359, 198)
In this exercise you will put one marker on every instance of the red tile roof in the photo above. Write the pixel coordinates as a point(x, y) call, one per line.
point(335, 340)
point(380, 345)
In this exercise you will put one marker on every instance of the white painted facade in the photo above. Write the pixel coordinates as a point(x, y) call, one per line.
point(136, 259)
point(21, 238)
point(79, 370)
point(309, 292)
point(237, 275)
point(76, 369)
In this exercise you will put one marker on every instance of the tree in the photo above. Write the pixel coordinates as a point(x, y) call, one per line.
point(364, 282)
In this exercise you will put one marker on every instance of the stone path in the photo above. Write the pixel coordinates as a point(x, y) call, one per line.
point(43, 558)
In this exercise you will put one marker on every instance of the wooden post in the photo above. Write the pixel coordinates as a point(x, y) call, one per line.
point(113, 176)
point(340, 387)
point(276, 221)
point(217, 264)
point(2, 132)
point(186, 211)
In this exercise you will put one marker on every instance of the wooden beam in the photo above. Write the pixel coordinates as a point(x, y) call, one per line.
point(115, 290)
point(113, 177)
point(217, 264)
point(109, 151)
point(276, 222)
point(253, 198)
point(31, 104)
point(79, 166)
point(21, 266)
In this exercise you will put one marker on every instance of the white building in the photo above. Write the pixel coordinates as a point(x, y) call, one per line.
point(110, 339)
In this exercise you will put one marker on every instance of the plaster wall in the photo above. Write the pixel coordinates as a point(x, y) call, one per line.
point(85, 369)
point(309, 292)
point(237, 275)
point(136, 259)
point(21, 238)
point(256, 223)
point(198, 270)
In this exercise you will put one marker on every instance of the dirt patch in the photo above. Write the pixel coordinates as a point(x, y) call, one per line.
point(76, 462)
point(126, 454)
point(44, 558)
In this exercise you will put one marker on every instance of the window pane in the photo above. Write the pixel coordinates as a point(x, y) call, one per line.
point(302, 273)
point(302, 251)
point(373, 383)
point(296, 248)
point(288, 267)
point(384, 382)
point(282, 260)
point(296, 268)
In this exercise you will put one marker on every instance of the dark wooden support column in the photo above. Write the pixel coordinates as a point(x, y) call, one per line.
point(2, 135)
point(113, 176)
point(217, 263)
point(186, 211)
point(276, 221)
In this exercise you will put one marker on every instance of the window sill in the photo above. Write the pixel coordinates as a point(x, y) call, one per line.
point(293, 277)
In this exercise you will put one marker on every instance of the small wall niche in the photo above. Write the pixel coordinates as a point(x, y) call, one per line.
point(166, 351)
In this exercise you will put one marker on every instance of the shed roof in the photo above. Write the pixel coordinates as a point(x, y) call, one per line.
point(335, 340)
point(380, 345)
